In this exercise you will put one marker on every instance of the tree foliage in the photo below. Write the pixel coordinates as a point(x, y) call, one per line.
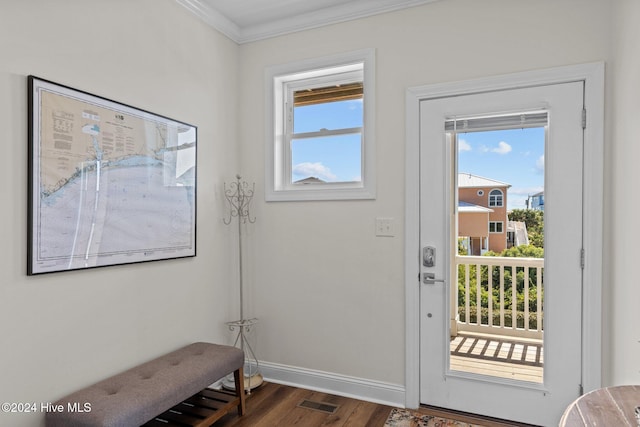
point(522, 251)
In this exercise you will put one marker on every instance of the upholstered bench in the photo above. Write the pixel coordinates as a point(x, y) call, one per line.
point(161, 390)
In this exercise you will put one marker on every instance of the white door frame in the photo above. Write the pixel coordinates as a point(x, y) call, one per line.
point(593, 76)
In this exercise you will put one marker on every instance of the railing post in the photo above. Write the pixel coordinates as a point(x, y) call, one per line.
point(525, 286)
point(478, 294)
point(539, 301)
point(490, 293)
point(467, 296)
point(502, 296)
point(514, 298)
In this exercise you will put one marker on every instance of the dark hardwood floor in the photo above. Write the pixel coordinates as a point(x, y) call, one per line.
point(275, 405)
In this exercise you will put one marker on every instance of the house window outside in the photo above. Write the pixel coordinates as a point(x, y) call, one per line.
point(496, 199)
point(495, 226)
point(321, 137)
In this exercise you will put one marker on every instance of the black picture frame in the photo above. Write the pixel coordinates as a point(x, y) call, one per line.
point(108, 183)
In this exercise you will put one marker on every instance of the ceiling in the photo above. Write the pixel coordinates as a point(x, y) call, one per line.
point(250, 20)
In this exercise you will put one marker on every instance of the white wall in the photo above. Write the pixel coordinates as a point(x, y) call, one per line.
point(329, 293)
point(621, 287)
point(65, 330)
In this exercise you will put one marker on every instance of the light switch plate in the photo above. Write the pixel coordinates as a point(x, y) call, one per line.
point(385, 227)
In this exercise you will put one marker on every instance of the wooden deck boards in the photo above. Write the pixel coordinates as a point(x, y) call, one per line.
point(498, 356)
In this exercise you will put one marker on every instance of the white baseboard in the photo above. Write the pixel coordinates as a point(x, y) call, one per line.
point(341, 385)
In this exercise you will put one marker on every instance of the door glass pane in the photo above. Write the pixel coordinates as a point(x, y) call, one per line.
point(497, 299)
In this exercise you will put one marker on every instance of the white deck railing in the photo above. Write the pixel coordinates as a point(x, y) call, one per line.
point(489, 281)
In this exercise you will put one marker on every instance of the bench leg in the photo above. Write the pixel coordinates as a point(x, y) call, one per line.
point(238, 376)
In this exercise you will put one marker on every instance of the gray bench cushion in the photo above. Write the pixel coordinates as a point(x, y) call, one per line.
point(141, 393)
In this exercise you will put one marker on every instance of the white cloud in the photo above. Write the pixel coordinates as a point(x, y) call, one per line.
point(503, 148)
point(317, 170)
point(540, 165)
point(517, 202)
point(463, 145)
point(525, 191)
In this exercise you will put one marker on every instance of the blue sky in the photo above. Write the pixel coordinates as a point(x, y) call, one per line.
point(513, 156)
point(318, 157)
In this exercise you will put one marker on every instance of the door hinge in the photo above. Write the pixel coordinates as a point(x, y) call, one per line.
point(584, 118)
point(582, 259)
point(581, 389)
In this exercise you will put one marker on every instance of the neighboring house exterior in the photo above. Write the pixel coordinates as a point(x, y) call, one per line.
point(482, 213)
point(473, 227)
point(537, 201)
point(309, 180)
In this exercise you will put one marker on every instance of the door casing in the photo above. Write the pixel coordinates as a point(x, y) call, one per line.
point(593, 76)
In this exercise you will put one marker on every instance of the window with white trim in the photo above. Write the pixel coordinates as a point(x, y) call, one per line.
point(495, 226)
point(496, 199)
point(320, 134)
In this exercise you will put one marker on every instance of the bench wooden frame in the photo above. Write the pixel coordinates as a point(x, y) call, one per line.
point(204, 408)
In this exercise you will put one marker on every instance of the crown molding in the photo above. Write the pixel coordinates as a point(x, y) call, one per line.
point(213, 18)
point(322, 17)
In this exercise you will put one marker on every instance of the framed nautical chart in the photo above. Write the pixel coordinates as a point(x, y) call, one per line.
point(108, 183)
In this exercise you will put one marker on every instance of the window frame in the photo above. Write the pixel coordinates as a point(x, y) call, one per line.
point(496, 223)
point(501, 205)
point(280, 81)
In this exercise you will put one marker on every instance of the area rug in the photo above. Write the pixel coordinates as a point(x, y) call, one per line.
point(406, 418)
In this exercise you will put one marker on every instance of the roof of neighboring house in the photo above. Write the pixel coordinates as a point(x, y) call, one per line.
point(467, 180)
point(308, 180)
point(471, 208)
